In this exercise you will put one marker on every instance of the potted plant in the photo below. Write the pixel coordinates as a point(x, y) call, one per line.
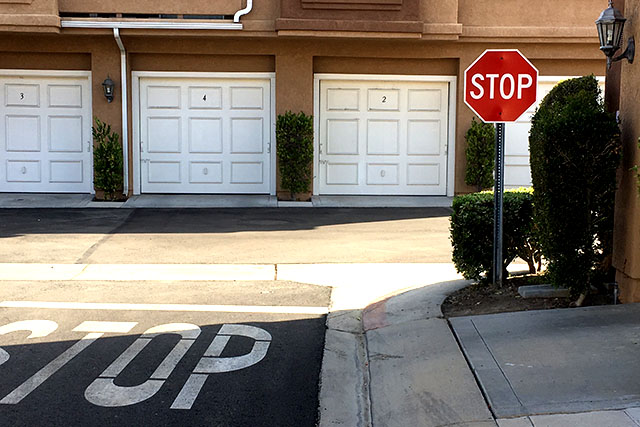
point(107, 162)
point(294, 138)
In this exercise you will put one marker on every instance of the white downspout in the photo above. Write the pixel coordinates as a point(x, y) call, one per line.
point(236, 17)
point(125, 110)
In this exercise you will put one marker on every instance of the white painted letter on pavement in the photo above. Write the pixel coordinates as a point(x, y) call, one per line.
point(212, 363)
point(38, 329)
point(104, 392)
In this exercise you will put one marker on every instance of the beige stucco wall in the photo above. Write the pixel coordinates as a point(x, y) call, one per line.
point(626, 257)
point(29, 16)
point(294, 61)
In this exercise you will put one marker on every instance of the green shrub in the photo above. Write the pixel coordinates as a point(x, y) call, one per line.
point(107, 160)
point(472, 232)
point(575, 151)
point(481, 140)
point(294, 137)
point(636, 170)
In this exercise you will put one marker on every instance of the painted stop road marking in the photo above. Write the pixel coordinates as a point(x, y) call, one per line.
point(104, 392)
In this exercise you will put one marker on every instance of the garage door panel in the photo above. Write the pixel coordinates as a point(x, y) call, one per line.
point(247, 173)
point(165, 134)
point(205, 172)
point(65, 134)
point(22, 133)
point(247, 98)
point(247, 135)
point(164, 97)
point(339, 99)
point(164, 172)
point(383, 174)
point(383, 137)
point(65, 171)
point(222, 143)
point(424, 137)
point(20, 95)
point(205, 135)
point(342, 136)
point(424, 174)
point(395, 145)
point(342, 173)
point(383, 99)
point(65, 96)
point(425, 100)
point(23, 171)
point(518, 175)
point(205, 98)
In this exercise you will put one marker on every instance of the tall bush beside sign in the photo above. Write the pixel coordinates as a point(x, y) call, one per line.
point(107, 160)
point(480, 155)
point(294, 138)
point(575, 151)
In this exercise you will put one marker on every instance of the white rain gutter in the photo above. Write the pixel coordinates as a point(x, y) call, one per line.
point(151, 25)
point(125, 110)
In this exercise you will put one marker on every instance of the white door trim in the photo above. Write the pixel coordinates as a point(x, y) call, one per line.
point(451, 140)
point(45, 73)
point(135, 106)
point(79, 74)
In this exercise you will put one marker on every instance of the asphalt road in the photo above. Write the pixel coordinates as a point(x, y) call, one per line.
point(160, 353)
point(225, 236)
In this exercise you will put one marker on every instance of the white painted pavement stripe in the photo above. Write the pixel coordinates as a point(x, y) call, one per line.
point(43, 374)
point(266, 309)
point(137, 272)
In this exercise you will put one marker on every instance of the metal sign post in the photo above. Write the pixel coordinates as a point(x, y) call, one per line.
point(498, 209)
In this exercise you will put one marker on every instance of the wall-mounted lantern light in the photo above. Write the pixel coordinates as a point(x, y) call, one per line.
point(610, 27)
point(108, 85)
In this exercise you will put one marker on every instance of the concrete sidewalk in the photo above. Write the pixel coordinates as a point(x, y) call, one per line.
point(401, 363)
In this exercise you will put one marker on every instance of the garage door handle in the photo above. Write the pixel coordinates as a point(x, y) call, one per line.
point(88, 146)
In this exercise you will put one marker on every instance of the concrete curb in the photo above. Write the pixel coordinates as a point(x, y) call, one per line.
point(396, 363)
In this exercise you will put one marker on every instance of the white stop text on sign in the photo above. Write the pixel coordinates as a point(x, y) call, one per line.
point(508, 85)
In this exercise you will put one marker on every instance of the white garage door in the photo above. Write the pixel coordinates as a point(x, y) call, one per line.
point(383, 137)
point(45, 133)
point(517, 172)
point(205, 135)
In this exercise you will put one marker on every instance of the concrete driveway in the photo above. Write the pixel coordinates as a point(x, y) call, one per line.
point(225, 236)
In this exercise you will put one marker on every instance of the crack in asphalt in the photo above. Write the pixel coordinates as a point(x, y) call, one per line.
point(87, 254)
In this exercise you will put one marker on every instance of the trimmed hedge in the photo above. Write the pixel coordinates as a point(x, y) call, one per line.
point(294, 137)
point(472, 232)
point(575, 152)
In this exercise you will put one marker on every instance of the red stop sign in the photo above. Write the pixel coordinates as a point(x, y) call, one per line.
point(500, 85)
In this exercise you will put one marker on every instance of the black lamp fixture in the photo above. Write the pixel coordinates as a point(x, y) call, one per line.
point(610, 27)
point(108, 85)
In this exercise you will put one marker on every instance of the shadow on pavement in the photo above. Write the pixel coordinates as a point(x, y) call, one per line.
point(16, 222)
